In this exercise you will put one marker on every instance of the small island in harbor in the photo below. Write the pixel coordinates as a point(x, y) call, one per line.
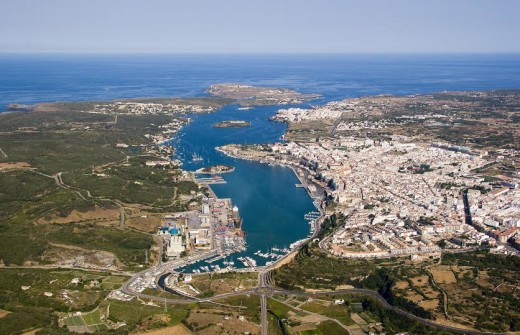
point(216, 169)
point(232, 124)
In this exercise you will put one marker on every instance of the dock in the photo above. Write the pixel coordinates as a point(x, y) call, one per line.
point(211, 180)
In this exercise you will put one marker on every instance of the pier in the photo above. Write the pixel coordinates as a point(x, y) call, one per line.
point(210, 180)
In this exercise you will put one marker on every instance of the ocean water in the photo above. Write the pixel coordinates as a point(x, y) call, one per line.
point(270, 204)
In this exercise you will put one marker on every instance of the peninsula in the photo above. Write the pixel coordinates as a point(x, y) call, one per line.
point(246, 95)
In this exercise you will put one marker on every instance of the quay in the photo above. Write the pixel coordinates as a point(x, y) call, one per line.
point(211, 180)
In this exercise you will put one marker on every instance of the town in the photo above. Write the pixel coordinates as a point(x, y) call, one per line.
point(402, 197)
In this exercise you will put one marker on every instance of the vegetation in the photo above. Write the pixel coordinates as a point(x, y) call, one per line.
point(381, 281)
point(314, 269)
point(97, 175)
point(127, 245)
point(484, 279)
point(395, 323)
point(22, 293)
point(251, 304)
point(475, 279)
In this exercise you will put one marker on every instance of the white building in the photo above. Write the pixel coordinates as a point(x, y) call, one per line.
point(175, 246)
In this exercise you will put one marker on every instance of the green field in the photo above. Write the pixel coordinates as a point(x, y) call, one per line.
point(338, 312)
point(92, 318)
point(252, 304)
point(279, 309)
point(74, 321)
point(331, 328)
point(30, 308)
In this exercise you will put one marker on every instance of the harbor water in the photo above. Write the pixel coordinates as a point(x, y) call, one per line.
point(272, 207)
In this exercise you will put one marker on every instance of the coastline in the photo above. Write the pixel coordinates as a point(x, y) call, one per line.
point(317, 222)
point(301, 178)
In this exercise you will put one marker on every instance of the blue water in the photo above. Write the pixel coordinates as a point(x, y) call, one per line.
point(271, 206)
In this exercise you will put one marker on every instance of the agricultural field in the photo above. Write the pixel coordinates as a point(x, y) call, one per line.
point(32, 297)
point(300, 315)
point(442, 292)
point(85, 322)
point(124, 317)
point(329, 309)
point(481, 279)
point(177, 330)
point(242, 315)
point(219, 283)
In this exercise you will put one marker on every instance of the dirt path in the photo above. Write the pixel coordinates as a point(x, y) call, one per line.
point(4, 155)
point(445, 296)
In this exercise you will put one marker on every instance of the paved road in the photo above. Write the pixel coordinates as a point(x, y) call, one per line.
point(263, 290)
point(318, 315)
point(59, 181)
point(376, 295)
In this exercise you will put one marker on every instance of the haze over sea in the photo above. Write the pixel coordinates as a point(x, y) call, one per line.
point(270, 204)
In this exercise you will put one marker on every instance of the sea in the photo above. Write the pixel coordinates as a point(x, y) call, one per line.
point(271, 206)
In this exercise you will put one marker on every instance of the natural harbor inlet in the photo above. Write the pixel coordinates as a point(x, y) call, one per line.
point(261, 168)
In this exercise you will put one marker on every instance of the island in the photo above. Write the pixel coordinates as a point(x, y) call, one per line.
point(232, 124)
point(216, 169)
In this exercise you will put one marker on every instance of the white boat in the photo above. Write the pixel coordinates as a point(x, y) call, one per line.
point(196, 158)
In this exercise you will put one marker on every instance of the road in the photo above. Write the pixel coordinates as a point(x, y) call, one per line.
point(318, 315)
point(265, 289)
point(59, 182)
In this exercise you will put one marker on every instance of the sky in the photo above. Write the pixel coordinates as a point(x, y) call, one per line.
point(260, 26)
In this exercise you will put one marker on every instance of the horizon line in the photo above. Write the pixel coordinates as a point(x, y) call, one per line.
point(253, 53)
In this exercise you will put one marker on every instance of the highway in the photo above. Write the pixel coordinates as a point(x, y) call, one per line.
point(265, 289)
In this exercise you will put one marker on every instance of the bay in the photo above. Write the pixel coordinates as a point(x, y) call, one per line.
point(269, 202)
